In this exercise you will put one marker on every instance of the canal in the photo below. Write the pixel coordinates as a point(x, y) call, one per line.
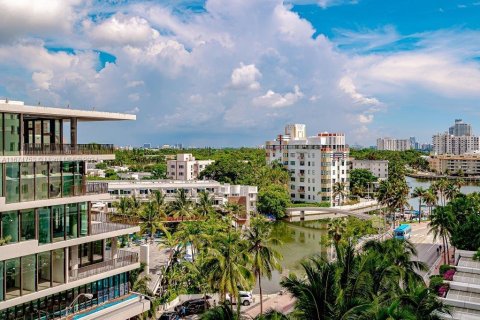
point(303, 239)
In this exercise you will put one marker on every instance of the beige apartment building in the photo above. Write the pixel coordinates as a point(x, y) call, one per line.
point(379, 168)
point(60, 259)
point(467, 163)
point(393, 144)
point(186, 167)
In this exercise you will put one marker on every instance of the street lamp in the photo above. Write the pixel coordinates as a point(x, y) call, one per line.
point(89, 296)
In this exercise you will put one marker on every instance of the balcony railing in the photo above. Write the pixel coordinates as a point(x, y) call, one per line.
point(124, 258)
point(108, 222)
point(35, 149)
point(95, 188)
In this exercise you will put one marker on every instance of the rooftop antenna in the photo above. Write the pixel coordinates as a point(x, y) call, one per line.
point(38, 102)
point(6, 100)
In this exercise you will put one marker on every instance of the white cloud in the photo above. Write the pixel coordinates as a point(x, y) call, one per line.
point(365, 118)
point(276, 100)
point(245, 76)
point(347, 85)
point(121, 30)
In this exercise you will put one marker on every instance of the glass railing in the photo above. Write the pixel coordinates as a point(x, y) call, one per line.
point(66, 149)
point(108, 222)
point(123, 259)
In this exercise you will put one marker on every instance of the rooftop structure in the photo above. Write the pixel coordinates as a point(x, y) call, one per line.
point(56, 246)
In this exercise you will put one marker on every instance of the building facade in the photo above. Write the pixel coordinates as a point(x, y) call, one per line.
point(393, 144)
point(460, 128)
point(186, 167)
point(315, 163)
point(379, 168)
point(56, 251)
point(221, 193)
point(445, 143)
point(469, 164)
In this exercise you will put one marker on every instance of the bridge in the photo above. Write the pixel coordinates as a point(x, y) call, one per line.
point(314, 213)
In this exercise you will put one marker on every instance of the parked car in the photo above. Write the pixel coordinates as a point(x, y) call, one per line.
point(246, 298)
point(169, 315)
point(194, 306)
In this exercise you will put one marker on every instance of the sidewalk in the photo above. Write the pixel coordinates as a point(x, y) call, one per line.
point(283, 303)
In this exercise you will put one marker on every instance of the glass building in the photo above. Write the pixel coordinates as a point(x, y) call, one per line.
point(56, 249)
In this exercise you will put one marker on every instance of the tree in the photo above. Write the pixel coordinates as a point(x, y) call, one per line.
point(361, 180)
point(264, 257)
point(441, 224)
point(339, 191)
point(419, 193)
point(150, 220)
point(336, 228)
point(205, 204)
point(123, 205)
point(451, 191)
point(440, 187)
point(430, 199)
point(273, 200)
point(182, 206)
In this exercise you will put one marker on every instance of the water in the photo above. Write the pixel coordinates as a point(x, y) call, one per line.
point(413, 183)
point(300, 241)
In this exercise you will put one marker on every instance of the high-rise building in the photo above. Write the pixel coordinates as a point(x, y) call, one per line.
point(460, 128)
point(315, 163)
point(393, 144)
point(444, 143)
point(59, 257)
point(186, 167)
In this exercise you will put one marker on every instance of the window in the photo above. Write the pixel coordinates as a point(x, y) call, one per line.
point(58, 263)
point(55, 177)
point(28, 224)
point(72, 220)
point(27, 179)
point(12, 278)
point(44, 270)
point(12, 134)
point(58, 214)
point(12, 182)
point(29, 267)
point(67, 179)
point(44, 225)
point(1, 272)
point(41, 180)
point(10, 224)
point(83, 219)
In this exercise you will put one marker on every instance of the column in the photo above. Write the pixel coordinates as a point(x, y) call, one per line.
point(74, 261)
point(114, 248)
point(73, 132)
point(145, 257)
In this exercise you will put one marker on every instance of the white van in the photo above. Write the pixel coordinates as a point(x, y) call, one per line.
point(246, 298)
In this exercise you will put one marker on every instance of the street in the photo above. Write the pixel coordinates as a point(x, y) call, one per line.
point(426, 247)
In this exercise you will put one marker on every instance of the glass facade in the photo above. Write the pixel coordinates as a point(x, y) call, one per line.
point(44, 270)
point(11, 134)
point(56, 223)
point(90, 253)
point(54, 306)
point(29, 181)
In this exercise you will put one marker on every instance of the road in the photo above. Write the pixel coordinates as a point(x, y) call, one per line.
point(426, 247)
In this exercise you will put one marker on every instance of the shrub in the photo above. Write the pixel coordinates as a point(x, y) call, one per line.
point(448, 275)
point(435, 282)
point(444, 268)
point(442, 290)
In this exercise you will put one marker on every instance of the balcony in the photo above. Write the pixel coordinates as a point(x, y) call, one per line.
point(38, 149)
point(108, 222)
point(123, 259)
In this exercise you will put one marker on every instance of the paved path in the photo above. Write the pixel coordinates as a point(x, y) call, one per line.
point(426, 247)
point(280, 302)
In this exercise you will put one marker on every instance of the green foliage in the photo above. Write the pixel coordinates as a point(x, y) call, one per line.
point(411, 157)
point(361, 181)
point(435, 282)
point(323, 204)
point(444, 268)
point(273, 200)
point(101, 165)
point(5, 240)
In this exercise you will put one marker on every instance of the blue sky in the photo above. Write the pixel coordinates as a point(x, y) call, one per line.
point(234, 72)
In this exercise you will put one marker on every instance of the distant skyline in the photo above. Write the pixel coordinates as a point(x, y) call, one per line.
point(234, 72)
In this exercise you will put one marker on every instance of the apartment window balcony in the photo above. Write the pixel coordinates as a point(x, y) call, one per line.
point(301, 190)
point(108, 222)
point(123, 259)
point(37, 149)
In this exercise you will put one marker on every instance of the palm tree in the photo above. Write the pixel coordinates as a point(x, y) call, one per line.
point(135, 206)
point(205, 203)
point(422, 303)
point(430, 200)
point(451, 191)
point(182, 206)
point(419, 192)
point(440, 187)
point(336, 228)
point(141, 286)
point(158, 198)
point(150, 220)
point(442, 223)
point(226, 263)
point(339, 191)
point(264, 257)
point(123, 205)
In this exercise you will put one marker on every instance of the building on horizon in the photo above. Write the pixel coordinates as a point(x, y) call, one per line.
point(392, 144)
point(315, 163)
point(379, 168)
point(467, 164)
point(460, 128)
point(458, 140)
point(186, 167)
point(58, 252)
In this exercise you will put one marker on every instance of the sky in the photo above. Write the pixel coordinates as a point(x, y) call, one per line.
point(234, 72)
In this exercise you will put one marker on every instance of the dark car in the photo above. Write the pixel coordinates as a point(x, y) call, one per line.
point(170, 315)
point(194, 306)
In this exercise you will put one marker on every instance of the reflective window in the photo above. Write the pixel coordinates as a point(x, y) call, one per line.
point(72, 220)
point(12, 182)
point(58, 214)
point(12, 134)
point(83, 219)
point(28, 274)
point(78, 178)
point(44, 270)
point(41, 180)
point(2, 287)
point(58, 264)
point(27, 179)
point(10, 225)
point(44, 225)
point(12, 278)
point(67, 173)
point(55, 177)
point(28, 224)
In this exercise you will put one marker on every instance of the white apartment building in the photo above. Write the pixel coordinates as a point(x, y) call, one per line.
point(393, 144)
point(61, 259)
point(445, 143)
point(186, 167)
point(460, 128)
point(379, 168)
point(315, 163)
